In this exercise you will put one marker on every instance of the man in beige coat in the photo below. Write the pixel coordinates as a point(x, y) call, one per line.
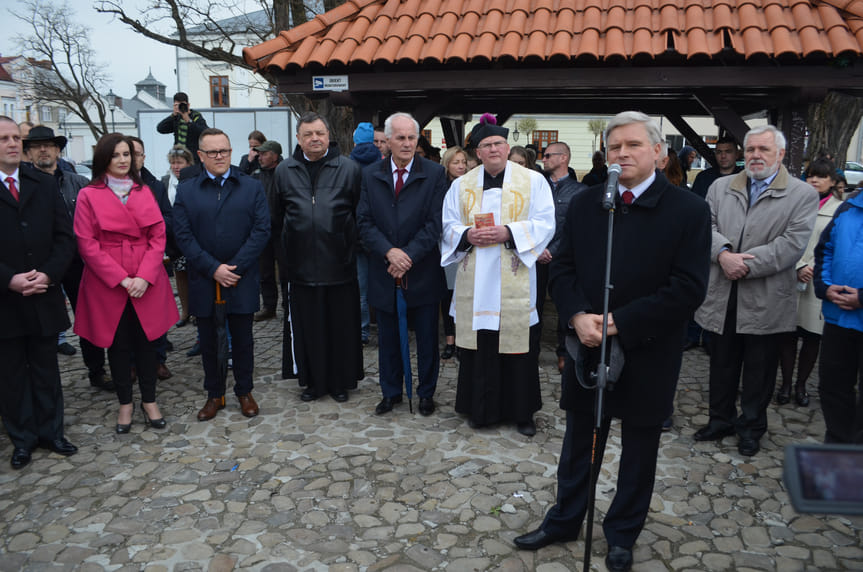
point(762, 218)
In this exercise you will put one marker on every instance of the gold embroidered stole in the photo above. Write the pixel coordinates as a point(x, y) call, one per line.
point(514, 276)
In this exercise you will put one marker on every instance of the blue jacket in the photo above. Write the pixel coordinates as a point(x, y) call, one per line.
point(839, 260)
point(215, 225)
point(411, 222)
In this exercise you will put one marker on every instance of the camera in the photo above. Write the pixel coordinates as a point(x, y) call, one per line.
point(183, 107)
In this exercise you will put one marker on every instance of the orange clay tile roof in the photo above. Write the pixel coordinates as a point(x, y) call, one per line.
point(466, 32)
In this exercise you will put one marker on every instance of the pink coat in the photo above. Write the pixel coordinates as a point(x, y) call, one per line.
point(116, 241)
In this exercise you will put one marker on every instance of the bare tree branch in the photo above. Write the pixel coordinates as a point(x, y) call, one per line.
point(62, 69)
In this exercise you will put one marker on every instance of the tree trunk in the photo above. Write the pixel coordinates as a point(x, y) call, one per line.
point(832, 124)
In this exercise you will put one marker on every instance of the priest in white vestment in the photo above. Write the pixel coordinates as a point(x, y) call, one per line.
point(497, 219)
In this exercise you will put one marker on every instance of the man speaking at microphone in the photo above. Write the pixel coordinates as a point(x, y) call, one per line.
point(659, 269)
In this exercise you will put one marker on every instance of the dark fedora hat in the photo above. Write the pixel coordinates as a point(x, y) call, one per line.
point(41, 133)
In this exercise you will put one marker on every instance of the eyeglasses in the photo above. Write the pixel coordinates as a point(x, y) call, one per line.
point(492, 144)
point(216, 152)
point(552, 154)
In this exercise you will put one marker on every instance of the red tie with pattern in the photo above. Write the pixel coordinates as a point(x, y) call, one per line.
point(627, 197)
point(400, 182)
point(12, 188)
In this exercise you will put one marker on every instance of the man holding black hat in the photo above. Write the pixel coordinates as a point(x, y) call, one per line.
point(43, 149)
point(659, 269)
point(497, 220)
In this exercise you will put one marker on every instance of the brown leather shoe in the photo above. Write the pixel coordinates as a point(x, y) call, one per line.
point(162, 372)
point(211, 408)
point(248, 405)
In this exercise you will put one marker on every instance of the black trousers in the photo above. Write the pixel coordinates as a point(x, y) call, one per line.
point(840, 370)
point(94, 357)
point(635, 479)
point(425, 323)
point(131, 345)
point(31, 398)
point(746, 361)
point(272, 262)
point(242, 352)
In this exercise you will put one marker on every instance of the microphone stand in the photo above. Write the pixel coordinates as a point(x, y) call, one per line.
point(598, 445)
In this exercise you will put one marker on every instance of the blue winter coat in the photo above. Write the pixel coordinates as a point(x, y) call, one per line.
point(214, 225)
point(411, 222)
point(839, 260)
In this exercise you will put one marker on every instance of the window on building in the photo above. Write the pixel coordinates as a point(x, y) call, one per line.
point(45, 114)
point(543, 139)
point(427, 134)
point(219, 94)
point(9, 107)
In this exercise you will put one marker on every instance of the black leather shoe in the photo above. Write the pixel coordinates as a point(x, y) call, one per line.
point(123, 428)
point(802, 398)
point(528, 428)
point(618, 559)
point(341, 396)
point(60, 446)
point(426, 406)
point(20, 458)
point(448, 352)
point(783, 396)
point(713, 433)
point(748, 447)
point(537, 539)
point(101, 380)
point(386, 404)
point(689, 344)
point(307, 395)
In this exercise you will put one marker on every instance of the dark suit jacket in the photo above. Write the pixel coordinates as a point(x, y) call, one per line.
point(215, 225)
point(411, 222)
point(660, 267)
point(35, 233)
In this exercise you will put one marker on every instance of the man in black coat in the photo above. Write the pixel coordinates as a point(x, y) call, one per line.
point(660, 266)
point(399, 218)
point(185, 123)
point(318, 194)
point(38, 244)
point(221, 224)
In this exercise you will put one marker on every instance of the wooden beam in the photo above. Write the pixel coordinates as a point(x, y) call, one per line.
point(692, 137)
point(723, 113)
point(453, 130)
point(551, 79)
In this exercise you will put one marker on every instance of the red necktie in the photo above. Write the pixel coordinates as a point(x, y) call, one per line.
point(400, 182)
point(12, 188)
point(627, 197)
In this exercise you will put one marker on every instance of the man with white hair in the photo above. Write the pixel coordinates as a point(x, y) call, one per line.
point(659, 270)
point(762, 218)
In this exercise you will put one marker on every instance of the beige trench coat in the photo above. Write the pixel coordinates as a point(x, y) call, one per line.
point(775, 230)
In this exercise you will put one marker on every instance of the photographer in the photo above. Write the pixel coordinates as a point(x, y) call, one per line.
point(185, 123)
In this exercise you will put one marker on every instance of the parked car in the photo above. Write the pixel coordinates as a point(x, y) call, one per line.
point(853, 173)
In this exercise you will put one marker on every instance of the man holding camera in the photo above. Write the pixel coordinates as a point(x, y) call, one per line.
point(185, 123)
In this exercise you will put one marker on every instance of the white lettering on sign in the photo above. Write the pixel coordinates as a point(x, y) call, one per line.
point(330, 83)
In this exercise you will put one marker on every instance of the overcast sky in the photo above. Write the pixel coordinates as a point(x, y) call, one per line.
point(128, 56)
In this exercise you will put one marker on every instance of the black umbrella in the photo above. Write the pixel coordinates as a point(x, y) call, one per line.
point(220, 316)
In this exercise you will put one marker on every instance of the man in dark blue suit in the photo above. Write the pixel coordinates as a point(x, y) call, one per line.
point(221, 224)
point(660, 266)
point(399, 218)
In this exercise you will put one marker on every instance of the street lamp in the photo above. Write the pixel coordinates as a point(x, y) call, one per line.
point(515, 132)
point(112, 105)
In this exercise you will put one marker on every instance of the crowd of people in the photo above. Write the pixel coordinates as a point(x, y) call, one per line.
point(750, 262)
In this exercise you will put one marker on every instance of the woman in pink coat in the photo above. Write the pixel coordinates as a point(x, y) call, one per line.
point(125, 300)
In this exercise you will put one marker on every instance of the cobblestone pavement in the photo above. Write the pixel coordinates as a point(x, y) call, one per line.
point(329, 486)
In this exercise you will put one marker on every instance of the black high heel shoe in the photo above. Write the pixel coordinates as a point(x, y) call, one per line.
point(122, 429)
point(783, 396)
point(159, 423)
point(802, 397)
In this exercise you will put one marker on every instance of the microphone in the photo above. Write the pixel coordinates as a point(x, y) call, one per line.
point(611, 186)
